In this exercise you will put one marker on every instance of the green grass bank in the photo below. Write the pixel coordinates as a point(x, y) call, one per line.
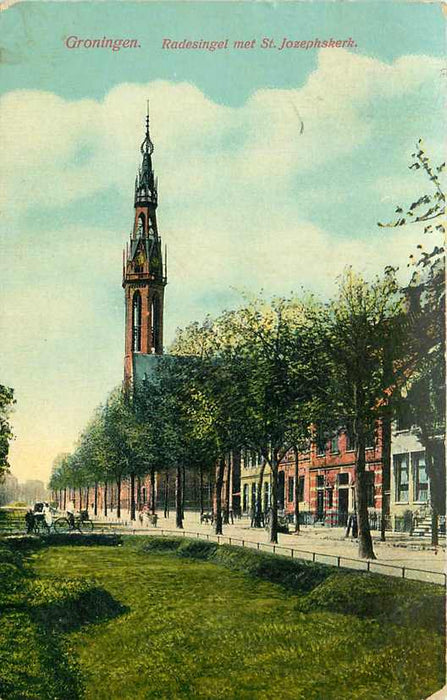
point(141, 617)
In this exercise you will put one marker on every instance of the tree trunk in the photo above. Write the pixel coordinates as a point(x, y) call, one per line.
point(274, 504)
point(118, 498)
point(433, 488)
point(201, 489)
point(96, 498)
point(166, 503)
point(80, 498)
point(210, 494)
point(153, 491)
point(132, 496)
point(178, 499)
point(65, 499)
point(138, 493)
point(183, 490)
point(435, 467)
point(105, 498)
point(219, 483)
point(227, 493)
point(297, 490)
point(386, 471)
point(87, 496)
point(364, 534)
point(258, 507)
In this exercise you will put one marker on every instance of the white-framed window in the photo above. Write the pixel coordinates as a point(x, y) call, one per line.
point(420, 477)
point(401, 477)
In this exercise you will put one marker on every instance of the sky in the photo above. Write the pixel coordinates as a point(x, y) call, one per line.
point(274, 168)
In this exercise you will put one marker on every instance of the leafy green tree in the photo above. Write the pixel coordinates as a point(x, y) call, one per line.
point(118, 420)
point(59, 480)
point(425, 320)
point(360, 322)
point(6, 435)
point(277, 377)
point(212, 409)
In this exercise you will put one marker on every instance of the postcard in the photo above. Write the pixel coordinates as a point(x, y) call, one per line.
point(222, 457)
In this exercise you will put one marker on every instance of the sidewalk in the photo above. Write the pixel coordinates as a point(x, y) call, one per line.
point(400, 549)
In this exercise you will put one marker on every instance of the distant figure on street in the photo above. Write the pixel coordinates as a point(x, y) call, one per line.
point(47, 514)
point(29, 521)
point(252, 516)
point(352, 526)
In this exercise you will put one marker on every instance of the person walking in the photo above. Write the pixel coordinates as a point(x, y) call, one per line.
point(29, 521)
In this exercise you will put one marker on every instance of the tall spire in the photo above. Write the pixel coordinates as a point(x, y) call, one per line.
point(145, 187)
point(147, 147)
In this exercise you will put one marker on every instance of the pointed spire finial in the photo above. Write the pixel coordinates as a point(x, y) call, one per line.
point(147, 146)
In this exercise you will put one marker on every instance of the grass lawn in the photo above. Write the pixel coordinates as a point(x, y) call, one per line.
point(195, 629)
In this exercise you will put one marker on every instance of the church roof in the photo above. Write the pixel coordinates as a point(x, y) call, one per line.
point(146, 366)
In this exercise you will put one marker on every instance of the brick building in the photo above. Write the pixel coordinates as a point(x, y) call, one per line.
point(326, 474)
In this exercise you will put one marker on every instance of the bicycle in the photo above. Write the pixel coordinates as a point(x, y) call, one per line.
point(81, 523)
point(63, 525)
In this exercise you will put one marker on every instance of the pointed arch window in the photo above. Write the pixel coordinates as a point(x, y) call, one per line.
point(136, 322)
point(140, 229)
point(156, 323)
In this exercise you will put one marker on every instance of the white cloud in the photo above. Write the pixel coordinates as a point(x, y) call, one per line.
point(60, 150)
point(232, 184)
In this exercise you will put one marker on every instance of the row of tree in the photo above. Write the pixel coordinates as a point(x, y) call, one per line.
point(263, 376)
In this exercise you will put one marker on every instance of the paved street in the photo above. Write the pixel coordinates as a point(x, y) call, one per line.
point(400, 549)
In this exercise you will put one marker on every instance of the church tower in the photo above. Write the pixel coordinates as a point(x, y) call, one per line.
point(144, 271)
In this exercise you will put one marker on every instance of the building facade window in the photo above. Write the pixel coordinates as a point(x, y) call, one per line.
point(253, 494)
point(343, 479)
point(349, 432)
point(321, 441)
point(266, 495)
point(290, 489)
point(245, 498)
point(141, 222)
point(400, 463)
point(136, 322)
point(155, 321)
point(420, 477)
point(370, 489)
point(301, 489)
point(334, 444)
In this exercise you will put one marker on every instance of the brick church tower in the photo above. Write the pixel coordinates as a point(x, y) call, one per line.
point(144, 271)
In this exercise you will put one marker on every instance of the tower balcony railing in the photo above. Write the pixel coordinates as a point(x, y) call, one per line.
point(143, 198)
